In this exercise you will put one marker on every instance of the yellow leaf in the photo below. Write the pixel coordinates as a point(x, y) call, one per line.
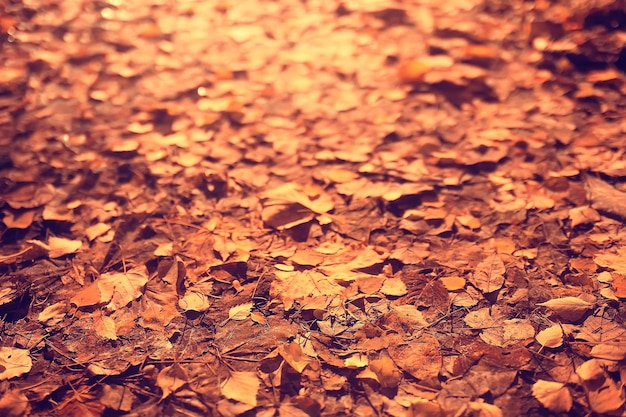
point(551, 337)
point(358, 360)
point(14, 362)
point(104, 326)
point(53, 314)
point(552, 395)
point(242, 387)
point(58, 246)
point(240, 312)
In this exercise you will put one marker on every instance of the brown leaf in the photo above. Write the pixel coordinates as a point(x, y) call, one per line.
point(489, 274)
point(14, 362)
point(386, 372)
point(570, 309)
point(420, 357)
point(551, 337)
point(242, 387)
point(171, 379)
point(553, 395)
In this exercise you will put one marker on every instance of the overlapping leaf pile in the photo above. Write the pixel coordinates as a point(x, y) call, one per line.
point(312, 208)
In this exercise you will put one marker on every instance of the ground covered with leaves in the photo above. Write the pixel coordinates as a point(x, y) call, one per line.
point(312, 208)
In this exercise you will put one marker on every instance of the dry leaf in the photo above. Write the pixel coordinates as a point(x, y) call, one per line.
point(53, 314)
point(609, 351)
point(14, 403)
point(171, 379)
point(489, 274)
point(198, 296)
point(14, 362)
point(591, 370)
point(292, 354)
point(120, 288)
point(242, 387)
point(606, 399)
point(420, 357)
point(58, 246)
point(551, 337)
point(570, 309)
point(453, 283)
point(104, 326)
point(240, 312)
point(552, 395)
point(386, 372)
point(393, 287)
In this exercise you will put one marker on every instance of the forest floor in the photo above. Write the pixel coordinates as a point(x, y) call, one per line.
point(312, 208)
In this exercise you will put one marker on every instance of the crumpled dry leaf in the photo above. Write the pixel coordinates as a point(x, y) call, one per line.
point(242, 387)
point(14, 362)
point(198, 296)
point(553, 395)
point(117, 289)
point(292, 354)
point(120, 288)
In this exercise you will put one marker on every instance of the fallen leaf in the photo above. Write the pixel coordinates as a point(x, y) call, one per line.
point(120, 288)
point(104, 326)
point(242, 387)
point(14, 362)
point(394, 287)
point(551, 337)
point(53, 314)
point(607, 398)
point(453, 283)
point(570, 309)
point(292, 354)
point(14, 403)
point(420, 357)
point(386, 372)
point(553, 395)
point(609, 351)
point(489, 274)
point(58, 246)
point(198, 296)
point(171, 379)
point(240, 312)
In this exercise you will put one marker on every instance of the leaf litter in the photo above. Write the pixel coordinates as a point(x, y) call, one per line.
point(313, 208)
